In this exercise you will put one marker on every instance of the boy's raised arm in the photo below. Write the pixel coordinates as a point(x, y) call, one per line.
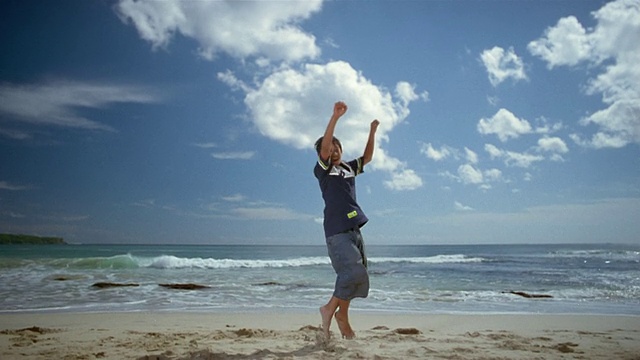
point(339, 109)
point(371, 142)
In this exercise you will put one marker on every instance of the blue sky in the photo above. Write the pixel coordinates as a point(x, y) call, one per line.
point(192, 122)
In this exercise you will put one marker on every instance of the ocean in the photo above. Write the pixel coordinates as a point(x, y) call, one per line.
point(439, 279)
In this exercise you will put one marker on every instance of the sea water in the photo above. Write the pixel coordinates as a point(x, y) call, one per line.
point(580, 279)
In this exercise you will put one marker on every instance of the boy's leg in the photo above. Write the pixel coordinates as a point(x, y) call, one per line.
point(342, 318)
point(346, 251)
point(326, 312)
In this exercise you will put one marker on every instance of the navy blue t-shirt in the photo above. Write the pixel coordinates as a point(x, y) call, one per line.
point(338, 186)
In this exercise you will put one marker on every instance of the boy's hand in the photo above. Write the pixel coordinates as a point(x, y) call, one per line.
point(374, 125)
point(339, 109)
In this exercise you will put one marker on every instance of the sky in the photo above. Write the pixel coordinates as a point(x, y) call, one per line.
point(193, 122)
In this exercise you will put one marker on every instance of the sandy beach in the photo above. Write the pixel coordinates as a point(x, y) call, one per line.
point(293, 335)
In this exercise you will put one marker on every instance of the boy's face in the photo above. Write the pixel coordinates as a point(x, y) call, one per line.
point(336, 153)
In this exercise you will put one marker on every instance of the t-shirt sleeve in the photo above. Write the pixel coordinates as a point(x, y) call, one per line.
point(321, 169)
point(324, 164)
point(357, 165)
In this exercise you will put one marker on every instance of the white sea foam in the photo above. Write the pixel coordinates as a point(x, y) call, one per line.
point(607, 254)
point(173, 262)
point(438, 259)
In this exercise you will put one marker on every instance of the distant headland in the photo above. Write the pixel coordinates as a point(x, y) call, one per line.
point(30, 239)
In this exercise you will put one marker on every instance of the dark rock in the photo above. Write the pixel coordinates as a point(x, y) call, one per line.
point(380, 327)
point(66, 277)
point(527, 295)
point(105, 285)
point(566, 347)
point(33, 329)
point(154, 357)
point(268, 283)
point(310, 327)
point(185, 286)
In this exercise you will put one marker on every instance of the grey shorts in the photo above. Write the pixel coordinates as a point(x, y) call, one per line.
point(346, 251)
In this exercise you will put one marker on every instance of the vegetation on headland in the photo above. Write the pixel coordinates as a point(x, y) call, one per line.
point(30, 239)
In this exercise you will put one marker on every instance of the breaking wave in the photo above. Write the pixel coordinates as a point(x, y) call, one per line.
point(129, 261)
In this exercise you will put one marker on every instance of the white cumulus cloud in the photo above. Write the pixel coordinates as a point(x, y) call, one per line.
point(435, 154)
point(405, 179)
point(493, 175)
point(612, 48)
point(471, 156)
point(293, 106)
point(239, 28)
point(552, 144)
point(564, 44)
point(469, 174)
point(291, 101)
point(405, 92)
point(505, 125)
point(502, 65)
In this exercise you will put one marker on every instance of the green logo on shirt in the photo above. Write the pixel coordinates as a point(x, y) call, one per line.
point(352, 214)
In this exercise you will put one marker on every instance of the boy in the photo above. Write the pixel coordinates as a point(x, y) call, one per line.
point(343, 219)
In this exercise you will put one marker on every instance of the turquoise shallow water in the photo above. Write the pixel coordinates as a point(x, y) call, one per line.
point(583, 279)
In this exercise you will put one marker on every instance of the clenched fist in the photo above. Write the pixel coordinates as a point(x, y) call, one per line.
point(374, 125)
point(339, 109)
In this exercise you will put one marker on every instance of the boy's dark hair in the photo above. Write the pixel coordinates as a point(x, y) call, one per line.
point(318, 144)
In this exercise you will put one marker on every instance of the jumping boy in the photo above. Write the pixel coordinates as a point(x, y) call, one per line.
point(343, 219)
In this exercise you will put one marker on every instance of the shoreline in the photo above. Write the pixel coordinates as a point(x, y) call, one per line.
point(303, 311)
point(296, 335)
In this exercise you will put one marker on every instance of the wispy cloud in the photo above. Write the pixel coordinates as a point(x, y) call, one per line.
point(512, 158)
point(66, 218)
point(208, 145)
point(268, 213)
point(12, 215)
point(59, 102)
point(4, 185)
point(234, 155)
point(239, 207)
point(460, 207)
point(152, 204)
point(569, 222)
point(15, 134)
point(234, 198)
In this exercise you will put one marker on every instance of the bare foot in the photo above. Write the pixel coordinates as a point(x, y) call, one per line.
point(345, 327)
point(326, 315)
